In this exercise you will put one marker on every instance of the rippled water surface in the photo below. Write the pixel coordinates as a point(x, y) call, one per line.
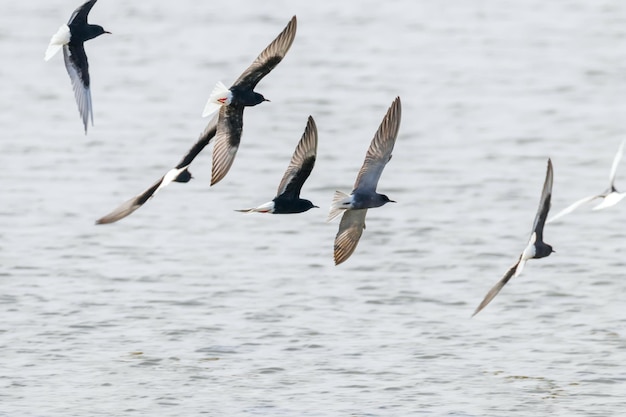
point(188, 308)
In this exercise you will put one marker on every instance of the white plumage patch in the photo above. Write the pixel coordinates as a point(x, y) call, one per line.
point(520, 267)
point(220, 96)
point(263, 208)
point(169, 177)
point(341, 202)
point(62, 37)
point(529, 252)
point(610, 200)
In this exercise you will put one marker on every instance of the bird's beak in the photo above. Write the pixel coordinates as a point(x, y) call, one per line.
point(267, 100)
point(392, 201)
point(316, 206)
point(108, 32)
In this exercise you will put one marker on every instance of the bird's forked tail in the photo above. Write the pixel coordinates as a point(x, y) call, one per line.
point(341, 202)
point(219, 97)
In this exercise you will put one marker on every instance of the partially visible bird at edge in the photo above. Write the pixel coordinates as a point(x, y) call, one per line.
point(71, 38)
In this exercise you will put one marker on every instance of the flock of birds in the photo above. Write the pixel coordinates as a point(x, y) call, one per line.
point(225, 129)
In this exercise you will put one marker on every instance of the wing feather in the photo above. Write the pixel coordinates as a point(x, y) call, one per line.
point(302, 163)
point(227, 139)
point(350, 231)
point(616, 161)
point(496, 288)
point(379, 152)
point(572, 207)
point(78, 69)
point(128, 207)
point(544, 203)
point(201, 143)
point(80, 14)
point(269, 58)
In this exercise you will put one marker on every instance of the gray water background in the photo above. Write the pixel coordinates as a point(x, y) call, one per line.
point(188, 308)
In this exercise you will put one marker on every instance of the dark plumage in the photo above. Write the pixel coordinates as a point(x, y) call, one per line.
point(180, 173)
point(241, 94)
point(536, 247)
point(364, 196)
point(71, 38)
point(287, 198)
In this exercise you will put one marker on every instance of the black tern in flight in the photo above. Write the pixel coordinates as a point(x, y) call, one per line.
point(287, 198)
point(71, 37)
point(180, 173)
point(610, 197)
point(232, 101)
point(536, 247)
point(364, 195)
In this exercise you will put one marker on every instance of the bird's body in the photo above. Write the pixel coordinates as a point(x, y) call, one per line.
point(230, 102)
point(536, 247)
point(180, 173)
point(610, 197)
point(287, 200)
point(364, 196)
point(71, 38)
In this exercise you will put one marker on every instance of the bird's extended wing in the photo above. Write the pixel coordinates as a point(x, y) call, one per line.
point(301, 164)
point(80, 14)
point(350, 231)
point(201, 143)
point(128, 207)
point(269, 58)
point(616, 161)
point(496, 288)
point(227, 138)
point(78, 69)
point(379, 152)
point(544, 203)
point(572, 207)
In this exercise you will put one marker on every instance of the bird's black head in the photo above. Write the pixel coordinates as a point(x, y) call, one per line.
point(299, 206)
point(386, 199)
point(307, 205)
point(257, 99)
point(184, 176)
point(285, 206)
point(93, 31)
point(543, 250)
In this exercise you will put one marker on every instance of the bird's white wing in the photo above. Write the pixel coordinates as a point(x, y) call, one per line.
point(616, 161)
point(610, 200)
point(572, 207)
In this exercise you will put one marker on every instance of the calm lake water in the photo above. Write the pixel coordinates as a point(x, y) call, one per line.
point(188, 308)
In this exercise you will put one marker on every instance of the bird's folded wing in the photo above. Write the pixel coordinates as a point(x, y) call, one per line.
point(350, 231)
